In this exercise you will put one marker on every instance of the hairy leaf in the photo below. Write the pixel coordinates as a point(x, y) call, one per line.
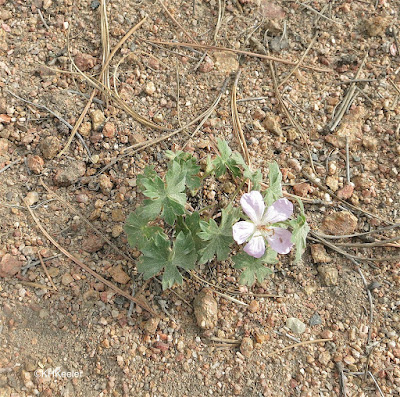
point(137, 229)
point(159, 256)
point(254, 268)
point(300, 230)
point(189, 167)
point(225, 161)
point(218, 238)
point(255, 177)
point(190, 224)
point(168, 197)
point(274, 191)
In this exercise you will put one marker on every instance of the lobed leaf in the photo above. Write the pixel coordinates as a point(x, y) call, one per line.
point(274, 191)
point(254, 269)
point(137, 229)
point(168, 197)
point(218, 238)
point(300, 230)
point(159, 256)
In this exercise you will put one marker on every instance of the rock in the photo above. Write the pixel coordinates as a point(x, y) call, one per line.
point(206, 309)
point(4, 145)
point(50, 147)
point(329, 275)
point(370, 143)
point(315, 320)
point(346, 191)
point(349, 360)
point(10, 265)
point(84, 61)
point(319, 254)
point(47, 4)
point(272, 124)
point(271, 11)
point(105, 183)
point(302, 189)
point(97, 117)
point(85, 128)
point(207, 65)
point(350, 128)
point(66, 279)
point(70, 174)
point(150, 88)
point(117, 230)
point(339, 223)
point(376, 26)
point(118, 275)
point(226, 61)
point(362, 182)
point(35, 164)
point(117, 215)
point(295, 325)
point(3, 40)
point(32, 198)
point(151, 325)
point(324, 357)
point(92, 243)
point(259, 114)
point(109, 130)
point(326, 334)
point(247, 347)
point(332, 182)
point(254, 306)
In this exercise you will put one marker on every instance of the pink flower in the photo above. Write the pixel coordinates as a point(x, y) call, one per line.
point(261, 225)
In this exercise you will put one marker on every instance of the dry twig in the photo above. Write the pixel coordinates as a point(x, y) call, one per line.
point(144, 305)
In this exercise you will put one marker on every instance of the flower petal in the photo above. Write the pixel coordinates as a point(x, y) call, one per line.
point(242, 231)
point(280, 240)
point(255, 247)
point(279, 211)
point(253, 205)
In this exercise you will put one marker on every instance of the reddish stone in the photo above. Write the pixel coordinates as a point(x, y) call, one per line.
point(92, 243)
point(84, 61)
point(35, 164)
point(302, 189)
point(109, 130)
point(346, 191)
point(10, 265)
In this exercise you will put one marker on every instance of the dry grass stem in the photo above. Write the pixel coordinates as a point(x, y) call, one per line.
point(348, 98)
point(247, 53)
point(77, 124)
point(144, 305)
point(105, 44)
point(300, 60)
point(76, 212)
point(46, 272)
point(237, 128)
point(307, 342)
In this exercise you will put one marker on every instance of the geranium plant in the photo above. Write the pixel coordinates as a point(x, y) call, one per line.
point(173, 238)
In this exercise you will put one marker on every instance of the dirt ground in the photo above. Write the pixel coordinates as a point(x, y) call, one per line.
point(318, 92)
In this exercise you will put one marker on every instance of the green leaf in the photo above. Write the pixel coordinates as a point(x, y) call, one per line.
point(190, 224)
point(254, 176)
point(189, 168)
point(137, 229)
point(300, 230)
point(168, 197)
point(254, 268)
point(274, 191)
point(225, 161)
point(158, 256)
point(148, 173)
point(218, 238)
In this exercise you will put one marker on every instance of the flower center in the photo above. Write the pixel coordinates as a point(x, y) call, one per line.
point(265, 229)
